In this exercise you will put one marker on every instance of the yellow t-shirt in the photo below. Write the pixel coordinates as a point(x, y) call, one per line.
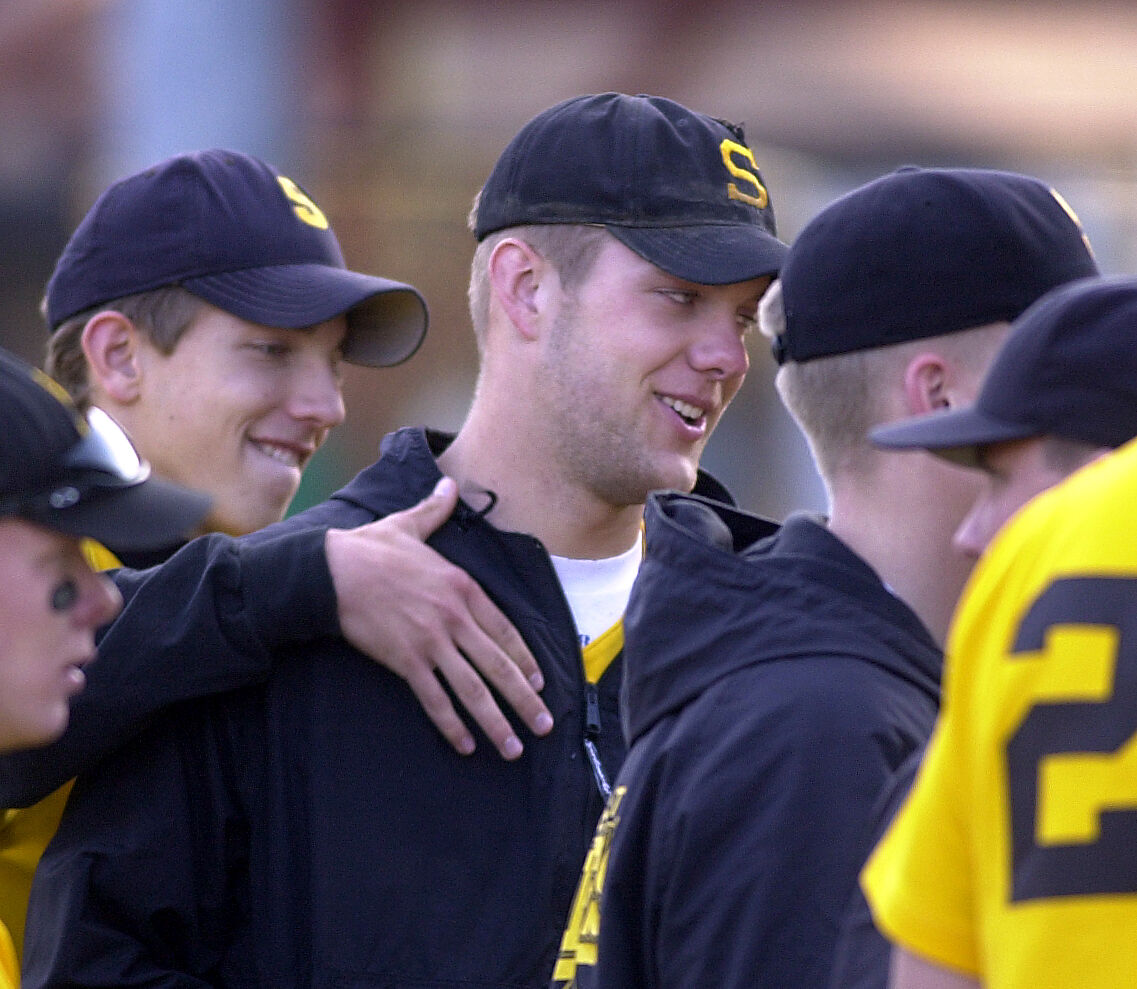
point(9, 968)
point(1015, 857)
point(24, 835)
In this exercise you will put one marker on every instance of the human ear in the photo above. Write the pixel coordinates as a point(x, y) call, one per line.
point(517, 274)
point(926, 385)
point(111, 346)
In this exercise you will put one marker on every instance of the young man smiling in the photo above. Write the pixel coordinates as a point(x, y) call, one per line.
point(204, 303)
point(336, 839)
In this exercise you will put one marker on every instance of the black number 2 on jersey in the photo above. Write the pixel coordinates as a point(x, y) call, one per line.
point(1107, 863)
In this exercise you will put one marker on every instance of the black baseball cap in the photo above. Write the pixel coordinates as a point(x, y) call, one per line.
point(922, 252)
point(82, 476)
point(679, 188)
point(1068, 368)
point(235, 232)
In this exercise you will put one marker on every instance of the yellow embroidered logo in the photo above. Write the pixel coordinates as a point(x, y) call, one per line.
point(1073, 216)
point(578, 947)
point(731, 151)
point(303, 206)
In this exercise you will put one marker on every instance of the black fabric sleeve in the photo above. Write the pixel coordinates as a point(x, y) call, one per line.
point(762, 822)
point(862, 956)
point(205, 622)
point(141, 883)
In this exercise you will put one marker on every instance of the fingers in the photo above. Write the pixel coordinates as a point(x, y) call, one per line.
point(423, 618)
point(511, 654)
point(464, 671)
point(503, 672)
point(436, 705)
point(486, 652)
point(432, 511)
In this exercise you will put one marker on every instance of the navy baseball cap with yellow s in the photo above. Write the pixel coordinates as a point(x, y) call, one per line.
point(230, 229)
point(922, 252)
point(679, 188)
point(81, 476)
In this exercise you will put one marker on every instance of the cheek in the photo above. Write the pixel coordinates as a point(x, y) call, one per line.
point(732, 386)
point(31, 680)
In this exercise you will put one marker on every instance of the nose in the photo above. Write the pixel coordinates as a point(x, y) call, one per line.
point(99, 601)
point(971, 536)
point(317, 395)
point(719, 349)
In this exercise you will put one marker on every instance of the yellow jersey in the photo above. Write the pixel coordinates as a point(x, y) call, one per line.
point(1014, 859)
point(9, 968)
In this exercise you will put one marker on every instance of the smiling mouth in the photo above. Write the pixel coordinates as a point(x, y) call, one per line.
point(690, 414)
point(281, 454)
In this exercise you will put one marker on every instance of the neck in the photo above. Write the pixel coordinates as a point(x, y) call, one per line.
point(534, 496)
point(904, 533)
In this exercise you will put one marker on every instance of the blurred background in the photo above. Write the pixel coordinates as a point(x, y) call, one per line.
point(391, 115)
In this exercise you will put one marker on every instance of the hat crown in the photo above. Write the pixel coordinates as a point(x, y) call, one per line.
point(626, 160)
point(677, 187)
point(924, 252)
point(1069, 368)
point(192, 215)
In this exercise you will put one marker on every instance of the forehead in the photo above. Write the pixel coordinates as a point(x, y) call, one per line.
point(25, 543)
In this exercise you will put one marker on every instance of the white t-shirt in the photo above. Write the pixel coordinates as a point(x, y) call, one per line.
point(597, 590)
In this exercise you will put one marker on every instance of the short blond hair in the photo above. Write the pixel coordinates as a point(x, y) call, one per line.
point(571, 248)
point(163, 314)
point(836, 400)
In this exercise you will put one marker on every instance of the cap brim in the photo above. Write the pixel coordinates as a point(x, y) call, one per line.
point(955, 436)
point(708, 253)
point(386, 320)
point(147, 516)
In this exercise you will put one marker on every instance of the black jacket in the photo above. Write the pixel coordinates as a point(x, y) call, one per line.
point(317, 830)
point(773, 686)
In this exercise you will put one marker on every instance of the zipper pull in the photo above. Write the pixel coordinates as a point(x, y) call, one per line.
point(591, 736)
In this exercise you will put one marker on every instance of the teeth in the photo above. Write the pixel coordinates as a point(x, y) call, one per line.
point(689, 412)
point(280, 454)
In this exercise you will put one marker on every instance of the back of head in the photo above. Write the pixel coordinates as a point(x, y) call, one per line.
point(679, 188)
point(1068, 369)
point(80, 476)
point(921, 253)
point(233, 231)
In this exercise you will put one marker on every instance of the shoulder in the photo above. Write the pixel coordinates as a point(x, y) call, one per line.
point(815, 715)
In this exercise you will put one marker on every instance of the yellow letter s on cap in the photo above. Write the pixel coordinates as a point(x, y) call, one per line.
point(729, 150)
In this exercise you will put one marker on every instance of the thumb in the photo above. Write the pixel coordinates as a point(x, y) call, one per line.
point(434, 509)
